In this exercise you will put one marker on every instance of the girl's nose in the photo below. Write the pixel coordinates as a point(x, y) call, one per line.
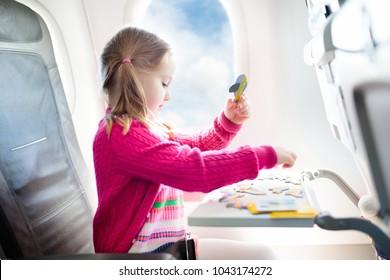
point(167, 97)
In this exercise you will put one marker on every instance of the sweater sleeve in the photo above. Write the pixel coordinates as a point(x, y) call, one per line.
point(143, 154)
point(215, 138)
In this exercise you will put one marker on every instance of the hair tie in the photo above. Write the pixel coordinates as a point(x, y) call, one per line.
point(126, 60)
point(109, 117)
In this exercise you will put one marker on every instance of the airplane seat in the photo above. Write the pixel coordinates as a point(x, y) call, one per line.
point(43, 174)
point(357, 102)
point(372, 101)
point(44, 210)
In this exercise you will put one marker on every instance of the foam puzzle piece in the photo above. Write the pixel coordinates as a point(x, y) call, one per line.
point(239, 86)
point(305, 210)
point(295, 193)
point(278, 190)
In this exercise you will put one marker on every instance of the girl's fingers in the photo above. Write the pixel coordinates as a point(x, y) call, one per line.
point(243, 109)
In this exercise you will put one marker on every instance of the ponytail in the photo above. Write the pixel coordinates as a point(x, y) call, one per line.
point(129, 50)
point(132, 101)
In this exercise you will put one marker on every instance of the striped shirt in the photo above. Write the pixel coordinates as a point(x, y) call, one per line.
point(164, 225)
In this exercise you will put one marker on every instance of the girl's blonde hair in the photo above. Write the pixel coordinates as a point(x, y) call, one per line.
point(129, 50)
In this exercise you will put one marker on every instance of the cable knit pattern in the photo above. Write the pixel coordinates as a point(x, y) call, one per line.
point(130, 168)
point(215, 138)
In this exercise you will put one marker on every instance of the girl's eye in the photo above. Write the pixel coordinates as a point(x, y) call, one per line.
point(164, 85)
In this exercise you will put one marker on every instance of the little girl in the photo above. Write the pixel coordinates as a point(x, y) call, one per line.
point(142, 167)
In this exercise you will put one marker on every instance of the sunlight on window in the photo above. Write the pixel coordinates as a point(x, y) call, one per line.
point(200, 35)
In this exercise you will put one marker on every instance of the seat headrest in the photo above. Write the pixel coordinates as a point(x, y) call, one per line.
point(18, 23)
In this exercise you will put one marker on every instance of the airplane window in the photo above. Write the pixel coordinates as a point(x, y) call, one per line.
point(201, 38)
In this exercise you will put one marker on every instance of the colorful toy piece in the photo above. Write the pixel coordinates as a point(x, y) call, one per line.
point(295, 193)
point(246, 188)
point(250, 191)
point(236, 204)
point(228, 197)
point(278, 190)
point(239, 87)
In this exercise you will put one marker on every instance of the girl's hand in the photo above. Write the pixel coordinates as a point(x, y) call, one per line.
point(237, 111)
point(285, 157)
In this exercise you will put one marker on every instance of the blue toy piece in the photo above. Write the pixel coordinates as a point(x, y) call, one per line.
point(239, 86)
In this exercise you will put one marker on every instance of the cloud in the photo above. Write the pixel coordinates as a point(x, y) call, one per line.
point(204, 59)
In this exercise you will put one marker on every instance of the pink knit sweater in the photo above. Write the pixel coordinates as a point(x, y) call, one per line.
point(130, 168)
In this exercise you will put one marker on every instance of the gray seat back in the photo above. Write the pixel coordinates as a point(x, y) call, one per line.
point(373, 108)
point(42, 171)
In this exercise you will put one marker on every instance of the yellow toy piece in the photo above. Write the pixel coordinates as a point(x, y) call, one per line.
point(305, 210)
point(239, 86)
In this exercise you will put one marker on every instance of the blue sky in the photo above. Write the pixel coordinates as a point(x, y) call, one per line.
point(205, 17)
point(200, 36)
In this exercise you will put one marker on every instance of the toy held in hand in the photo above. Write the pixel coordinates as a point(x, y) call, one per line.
point(239, 86)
